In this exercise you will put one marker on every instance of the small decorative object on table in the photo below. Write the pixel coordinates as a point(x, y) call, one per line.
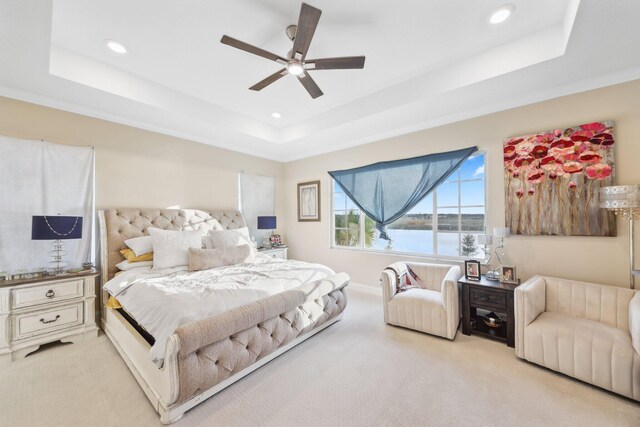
point(492, 320)
point(508, 275)
point(472, 269)
point(275, 240)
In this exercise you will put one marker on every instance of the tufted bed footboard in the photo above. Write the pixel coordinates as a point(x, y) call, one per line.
point(206, 356)
point(214, 349)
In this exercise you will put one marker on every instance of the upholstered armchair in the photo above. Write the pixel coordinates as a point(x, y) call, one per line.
point(587, 331)
point(434, 307)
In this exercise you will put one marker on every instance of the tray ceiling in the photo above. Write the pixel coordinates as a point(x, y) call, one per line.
point(428, 63)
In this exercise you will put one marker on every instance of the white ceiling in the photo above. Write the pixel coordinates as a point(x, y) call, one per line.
point(429, 62)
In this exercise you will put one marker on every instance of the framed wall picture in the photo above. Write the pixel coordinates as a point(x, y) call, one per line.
point(508, 274)
point(309, 201)
point(472, 269)
point(553, 179)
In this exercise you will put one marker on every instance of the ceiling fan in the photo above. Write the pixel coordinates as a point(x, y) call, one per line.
point(296, 63)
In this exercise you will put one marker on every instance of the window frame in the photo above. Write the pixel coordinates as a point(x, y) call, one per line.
point(360, 247)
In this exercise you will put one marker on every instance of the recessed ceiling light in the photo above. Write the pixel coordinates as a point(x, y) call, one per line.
point(115, 46)
point(501, 14)
point(276, 115)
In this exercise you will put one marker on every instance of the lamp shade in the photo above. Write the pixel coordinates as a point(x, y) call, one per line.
point(56, 227)
point(502, 232)
point(267, 223)
point(624, 199)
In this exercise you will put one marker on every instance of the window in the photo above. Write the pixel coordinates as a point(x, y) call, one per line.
point(445, 223)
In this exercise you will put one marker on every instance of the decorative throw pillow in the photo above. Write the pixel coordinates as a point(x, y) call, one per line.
point(126, 265)
point(409, 280)
point(171, 248)
point(203, 259)
point(131, 256)
point(140, 245)
point(222, 238)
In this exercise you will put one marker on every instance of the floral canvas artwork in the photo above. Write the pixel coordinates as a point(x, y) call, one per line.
point(552, 181)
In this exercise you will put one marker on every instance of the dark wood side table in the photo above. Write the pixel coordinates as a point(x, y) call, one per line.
point(488, 295)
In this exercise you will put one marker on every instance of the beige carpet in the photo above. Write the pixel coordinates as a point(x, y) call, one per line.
point(358, 372)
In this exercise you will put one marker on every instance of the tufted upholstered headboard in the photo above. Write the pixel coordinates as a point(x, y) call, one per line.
point(120, 224)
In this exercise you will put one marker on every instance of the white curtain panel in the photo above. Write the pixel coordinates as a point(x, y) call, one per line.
point(43, 178)
point(257, 198)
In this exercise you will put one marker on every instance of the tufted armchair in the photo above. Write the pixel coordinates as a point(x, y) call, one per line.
point(434, 308)
point(587, 331)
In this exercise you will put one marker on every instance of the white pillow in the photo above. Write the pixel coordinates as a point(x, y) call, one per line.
point(140, 245)
point(171, 248)
point(222, 238)
point(126, 265)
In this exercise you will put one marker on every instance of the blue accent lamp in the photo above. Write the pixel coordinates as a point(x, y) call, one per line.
point(267, 223)
point(56, 228)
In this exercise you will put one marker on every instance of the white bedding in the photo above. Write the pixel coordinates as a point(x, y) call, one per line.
point(162, 300)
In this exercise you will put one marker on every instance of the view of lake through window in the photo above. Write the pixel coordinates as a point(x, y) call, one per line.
point(446, 222)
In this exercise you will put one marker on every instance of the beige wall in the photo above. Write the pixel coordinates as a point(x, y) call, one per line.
point(139, 168)
point(603, 260)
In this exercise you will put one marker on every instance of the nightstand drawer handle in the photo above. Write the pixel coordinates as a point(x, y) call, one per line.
point(50, 294)
point(50, 321)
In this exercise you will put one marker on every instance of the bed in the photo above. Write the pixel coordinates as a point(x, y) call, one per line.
point(204, 356)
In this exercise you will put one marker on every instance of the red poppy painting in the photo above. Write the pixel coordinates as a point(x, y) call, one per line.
point(552, 181)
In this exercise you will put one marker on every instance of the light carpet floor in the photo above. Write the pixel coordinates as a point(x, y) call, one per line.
point(358, 372)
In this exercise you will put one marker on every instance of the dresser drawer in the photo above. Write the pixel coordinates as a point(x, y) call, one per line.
point(486, 298)
point(276, 254)
point(30, 324)
point(46, 293)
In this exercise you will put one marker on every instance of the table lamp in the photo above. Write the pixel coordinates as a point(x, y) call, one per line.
point(624, 200)
point(56, 228)
point(486, 240)
point(500, 233)
point(267, 223)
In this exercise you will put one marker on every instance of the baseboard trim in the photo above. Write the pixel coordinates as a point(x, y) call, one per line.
point(367, 289)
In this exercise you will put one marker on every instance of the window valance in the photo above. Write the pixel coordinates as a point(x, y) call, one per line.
point(385, 191)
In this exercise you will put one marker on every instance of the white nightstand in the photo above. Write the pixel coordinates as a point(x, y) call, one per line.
point(279, 252)
point(46, 309)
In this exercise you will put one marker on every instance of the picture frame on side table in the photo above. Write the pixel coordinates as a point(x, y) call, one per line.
point(472, 269)
point(309, 201)
point(508, 274)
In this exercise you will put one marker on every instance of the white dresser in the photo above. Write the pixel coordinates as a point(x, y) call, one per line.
point(46, 309)
point(279, 252)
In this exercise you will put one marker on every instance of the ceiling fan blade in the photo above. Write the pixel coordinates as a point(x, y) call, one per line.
point(310, 85)
point(272, 78)
point(342, 63)
point(251, 49)
point(307, 23)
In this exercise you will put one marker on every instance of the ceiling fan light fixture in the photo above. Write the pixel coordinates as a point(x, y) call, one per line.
point(501, 14)
point(295, 68)
point(115, 46)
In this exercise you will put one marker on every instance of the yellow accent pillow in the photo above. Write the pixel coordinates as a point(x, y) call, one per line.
point(131, 256)
point(113, 303)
